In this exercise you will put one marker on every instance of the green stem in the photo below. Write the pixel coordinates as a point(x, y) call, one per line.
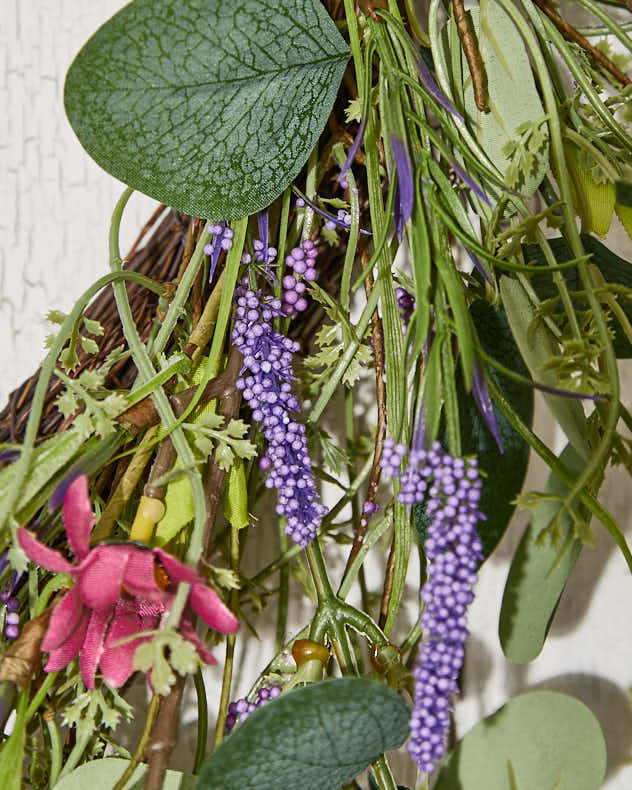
point(284, 591)
point(318, 568)
point(310, 191)
point(56, 752)
point(352, 243)
point(202, 722)
point(42, 691)
point(383, 774)
point(82, 743)
point(354, 43)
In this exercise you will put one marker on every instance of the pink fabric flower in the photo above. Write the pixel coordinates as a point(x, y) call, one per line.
point(119, 591)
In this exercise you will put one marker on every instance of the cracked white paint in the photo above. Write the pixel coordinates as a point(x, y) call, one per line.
point(55, 208)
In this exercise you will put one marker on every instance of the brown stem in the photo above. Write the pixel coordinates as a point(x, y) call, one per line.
point(569, 32)
point(472, 55)
point(230, 400)
point(380, 393)
point(387, 590)
point(164, 736)
point(142, 743)
point(146, 228)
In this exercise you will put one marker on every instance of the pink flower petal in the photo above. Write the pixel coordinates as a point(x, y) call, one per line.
point(92, 649)
point(48, 558)
point(190, 634)
point(65, 653)
point(178, 571)
point(78, 516)
point(139, 579)
point(116, 663)
point(65, 618)
point(207, 603)
point(101, 575)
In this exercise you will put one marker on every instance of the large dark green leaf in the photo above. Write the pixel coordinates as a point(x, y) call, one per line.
point(318, 737)
point(537, 741)
point(613, 269)
point(210, 106)
point(538, 573)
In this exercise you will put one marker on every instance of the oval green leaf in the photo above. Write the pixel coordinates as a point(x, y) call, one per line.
point(512, 132)
point(210, 106)
point(537, 741)
point(538, 573)
point(104, 774)
point(319, 737)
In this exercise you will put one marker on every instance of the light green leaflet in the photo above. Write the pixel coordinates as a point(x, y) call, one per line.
point(505, 131)
point(537, 741)
point(210, 106)
point(104, 774)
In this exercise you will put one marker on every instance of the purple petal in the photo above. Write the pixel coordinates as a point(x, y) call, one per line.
point(469, 181)
point(92, 648)
point(404, 177)
point(428, 81)
point(262, 219)
point(478, 265)
point(59, 492)
point(397, 213)
point(483, 400)
point(37, 552)
point(8, 455)
point(217, 248)
point(357, 142)
point(207, 603)
point(78, 516)
point(66, 617)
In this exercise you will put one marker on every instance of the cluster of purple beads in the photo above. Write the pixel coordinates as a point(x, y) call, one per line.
point(451, 489)
point(12, 605)
point(302, 260)
point(344, 218)
point(268, 391)
point(222, 238)
point(406, 305)
point(239, 710)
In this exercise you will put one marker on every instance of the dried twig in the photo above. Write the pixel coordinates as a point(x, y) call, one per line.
point(472, 55)
point(164, 736)
point(573, 35)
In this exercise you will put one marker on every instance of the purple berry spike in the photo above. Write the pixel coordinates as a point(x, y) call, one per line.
point(222, 240)
point(266, 384)
point(302, 260)
point(239, 710)
point(451, 489)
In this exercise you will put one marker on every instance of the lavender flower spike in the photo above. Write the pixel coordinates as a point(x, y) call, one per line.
point(451, 490)
point(267, 387)
point(357, 142)
point(405, 184)
point(428, 81)
point(469, 181)
point(480, 390)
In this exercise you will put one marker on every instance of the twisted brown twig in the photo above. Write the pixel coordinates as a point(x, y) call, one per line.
point(472, 55)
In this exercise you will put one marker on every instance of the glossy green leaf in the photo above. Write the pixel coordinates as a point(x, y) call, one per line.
point(319, 737)
point(537, 741)
point(513, 100)
point(593, 198)
point(536, 348)
point(48, 459)
point(104, 774)
point(210, 107)
point(505, 472)
point(538, 574)
point(613, 269)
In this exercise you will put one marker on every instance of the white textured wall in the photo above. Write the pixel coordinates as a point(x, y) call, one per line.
point(55, 212)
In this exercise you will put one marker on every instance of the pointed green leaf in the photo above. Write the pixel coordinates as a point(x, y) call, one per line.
point(319, 737)
point(613, 269)
point(210, 107)
point(104, 774)
point(538, 574)
point(537, 741)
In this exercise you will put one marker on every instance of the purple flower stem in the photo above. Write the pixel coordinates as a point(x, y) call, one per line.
point(327, 216)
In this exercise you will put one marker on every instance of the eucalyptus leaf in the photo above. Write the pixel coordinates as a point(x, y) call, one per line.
point(536, 348)
point(104, 774)
point(539, 572)
point(613, 269)
point(320, 737)
point(210, 107)
point(509, 132)
point(537, 741)
point(510, 467)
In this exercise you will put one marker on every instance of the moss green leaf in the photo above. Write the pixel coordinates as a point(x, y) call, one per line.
point(318, 737)
point(538, 573)
point(542, 740)
point(209, 106)
point(104, 774)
